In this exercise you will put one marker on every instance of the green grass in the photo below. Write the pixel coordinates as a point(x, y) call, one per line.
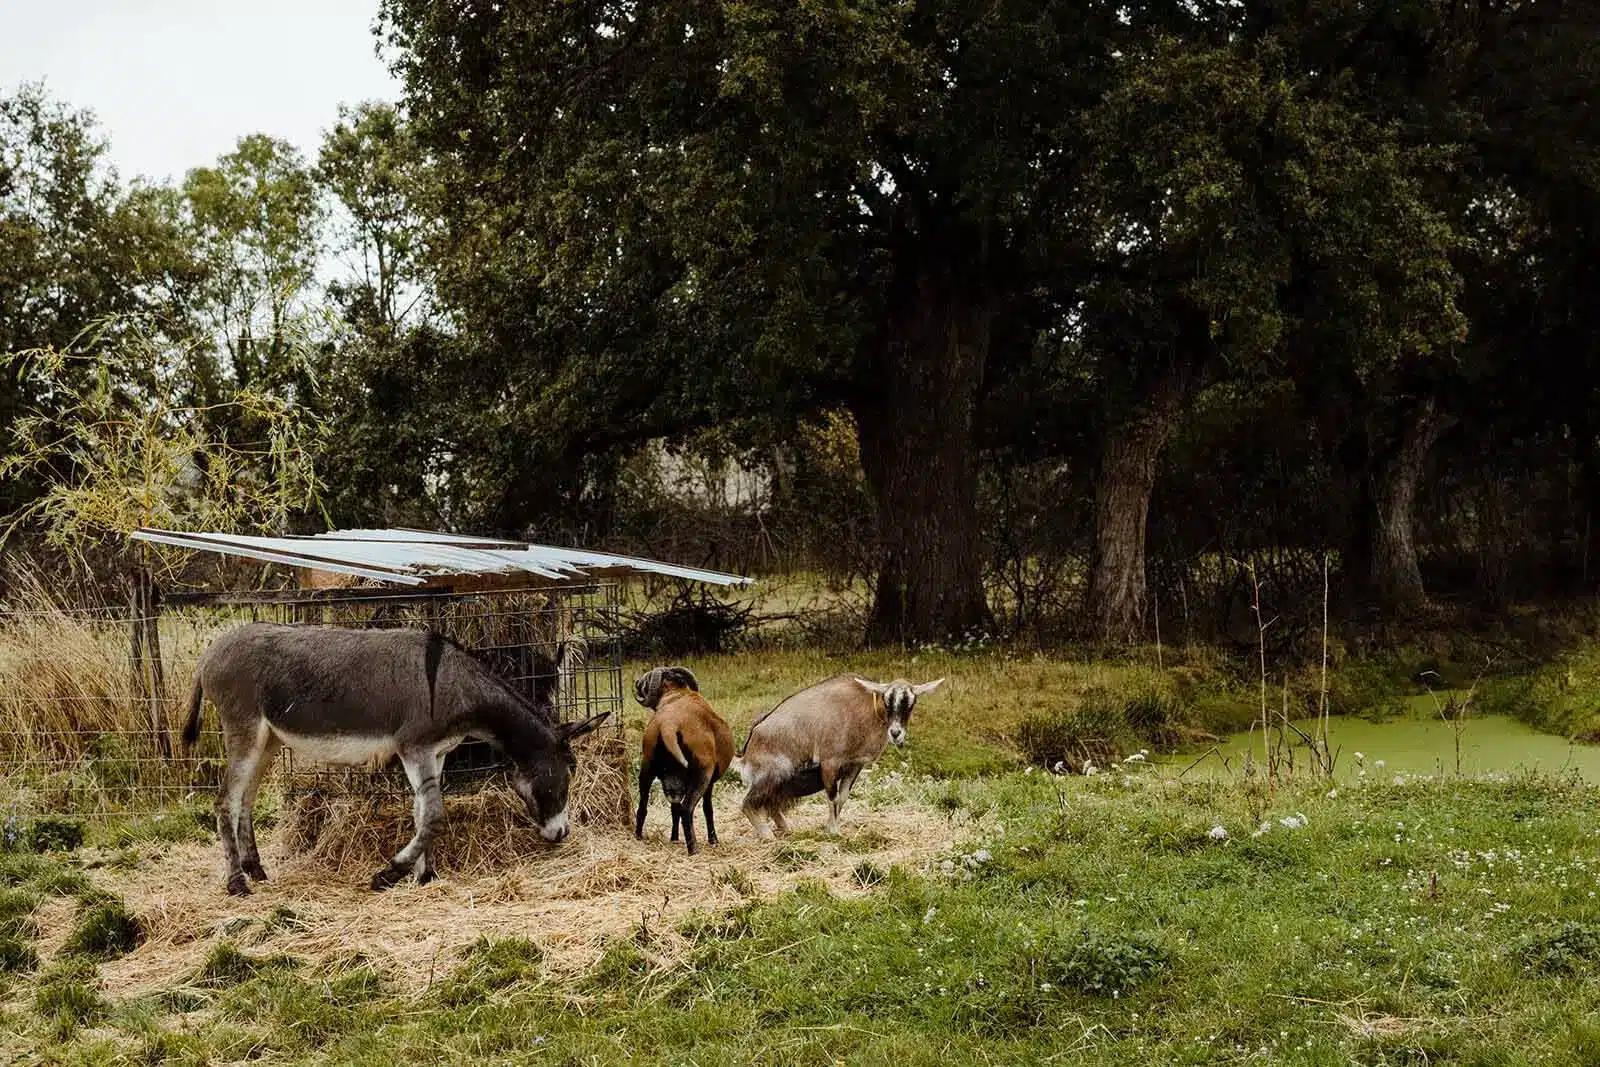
point(1071, 920)
point(1091, 920)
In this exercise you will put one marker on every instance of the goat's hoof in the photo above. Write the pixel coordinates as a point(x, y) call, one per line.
point(693, 848)
point(424, 877)
point(255, 871)
point(711, 839)
point(238, 885)
point(387, 878)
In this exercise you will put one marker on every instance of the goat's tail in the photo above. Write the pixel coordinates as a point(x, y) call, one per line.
point(674, 742)
point(191, 729)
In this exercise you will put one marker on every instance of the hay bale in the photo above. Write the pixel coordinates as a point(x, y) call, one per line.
point(486, 830)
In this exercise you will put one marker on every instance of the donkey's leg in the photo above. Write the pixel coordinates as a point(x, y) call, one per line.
point(646, 780)
point(261, 763)
point(422, 770)
point(238, 885)
point(243, 743)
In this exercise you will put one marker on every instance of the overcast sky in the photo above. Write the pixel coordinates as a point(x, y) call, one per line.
point(174, 83)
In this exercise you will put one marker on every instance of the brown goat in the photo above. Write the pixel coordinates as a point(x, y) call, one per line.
point(686, 745)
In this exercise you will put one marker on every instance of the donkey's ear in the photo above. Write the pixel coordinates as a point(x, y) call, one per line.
point(927, 687)
point(683, 676)
point(872, 687)
point(578, 729)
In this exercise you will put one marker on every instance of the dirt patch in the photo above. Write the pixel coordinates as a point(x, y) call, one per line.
point(572, 900)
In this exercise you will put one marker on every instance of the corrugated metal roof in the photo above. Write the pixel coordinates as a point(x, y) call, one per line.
point(411, 557)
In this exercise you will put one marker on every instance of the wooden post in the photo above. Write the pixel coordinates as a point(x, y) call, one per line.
point(149, 681)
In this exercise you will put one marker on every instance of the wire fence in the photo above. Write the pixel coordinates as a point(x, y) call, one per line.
point(91, 699)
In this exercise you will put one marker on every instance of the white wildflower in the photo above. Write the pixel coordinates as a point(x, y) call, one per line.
point(1332, 793)
point(1219, 833)
point(1378, 764)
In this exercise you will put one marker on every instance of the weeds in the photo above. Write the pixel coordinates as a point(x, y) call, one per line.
point(1573, 948)
point(1098, 964)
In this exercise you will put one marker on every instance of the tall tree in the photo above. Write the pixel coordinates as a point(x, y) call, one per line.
point(257, 218)
point(678, 213)
point(376, 173)
point(1248, 212)
point(77, 249)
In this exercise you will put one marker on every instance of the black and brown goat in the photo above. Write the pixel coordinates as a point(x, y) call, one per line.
point(686, 745)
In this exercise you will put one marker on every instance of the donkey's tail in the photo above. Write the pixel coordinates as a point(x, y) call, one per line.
point(191, 729)
point(674, 742)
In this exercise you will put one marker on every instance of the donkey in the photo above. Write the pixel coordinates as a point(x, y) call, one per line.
point(364, 697)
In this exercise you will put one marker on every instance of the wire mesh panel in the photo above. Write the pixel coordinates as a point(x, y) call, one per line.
point(91, 701)
point(87, 699)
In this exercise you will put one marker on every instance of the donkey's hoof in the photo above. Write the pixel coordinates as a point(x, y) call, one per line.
point(387, 878)
point(238, 885)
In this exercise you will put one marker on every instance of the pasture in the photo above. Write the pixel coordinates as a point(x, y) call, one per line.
point(974, 909)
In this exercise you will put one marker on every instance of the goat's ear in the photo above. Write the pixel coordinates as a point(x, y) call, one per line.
point(872, 687)
point(927, 687)
point(578, 729)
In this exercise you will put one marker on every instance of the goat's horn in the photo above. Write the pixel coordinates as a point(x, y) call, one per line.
point(647, 689)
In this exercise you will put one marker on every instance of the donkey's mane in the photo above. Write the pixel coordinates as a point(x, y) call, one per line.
point(492, 672)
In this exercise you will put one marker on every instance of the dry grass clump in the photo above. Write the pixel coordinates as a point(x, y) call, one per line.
point(484, 831)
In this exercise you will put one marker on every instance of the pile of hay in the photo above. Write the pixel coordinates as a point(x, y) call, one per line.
point(485, 830)
point(573, 900)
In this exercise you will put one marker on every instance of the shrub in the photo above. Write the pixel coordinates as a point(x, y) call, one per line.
point(1096, 731)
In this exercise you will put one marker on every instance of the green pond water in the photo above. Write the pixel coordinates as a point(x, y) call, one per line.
point(1418, 742)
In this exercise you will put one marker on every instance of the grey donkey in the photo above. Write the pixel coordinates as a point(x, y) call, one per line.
point(364, 697)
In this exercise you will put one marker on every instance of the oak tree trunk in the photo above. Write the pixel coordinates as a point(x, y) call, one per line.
point(1123, 481)
point(1394, 578)
point(915, 422)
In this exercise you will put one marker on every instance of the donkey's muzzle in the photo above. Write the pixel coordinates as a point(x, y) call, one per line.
point(556, 829)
